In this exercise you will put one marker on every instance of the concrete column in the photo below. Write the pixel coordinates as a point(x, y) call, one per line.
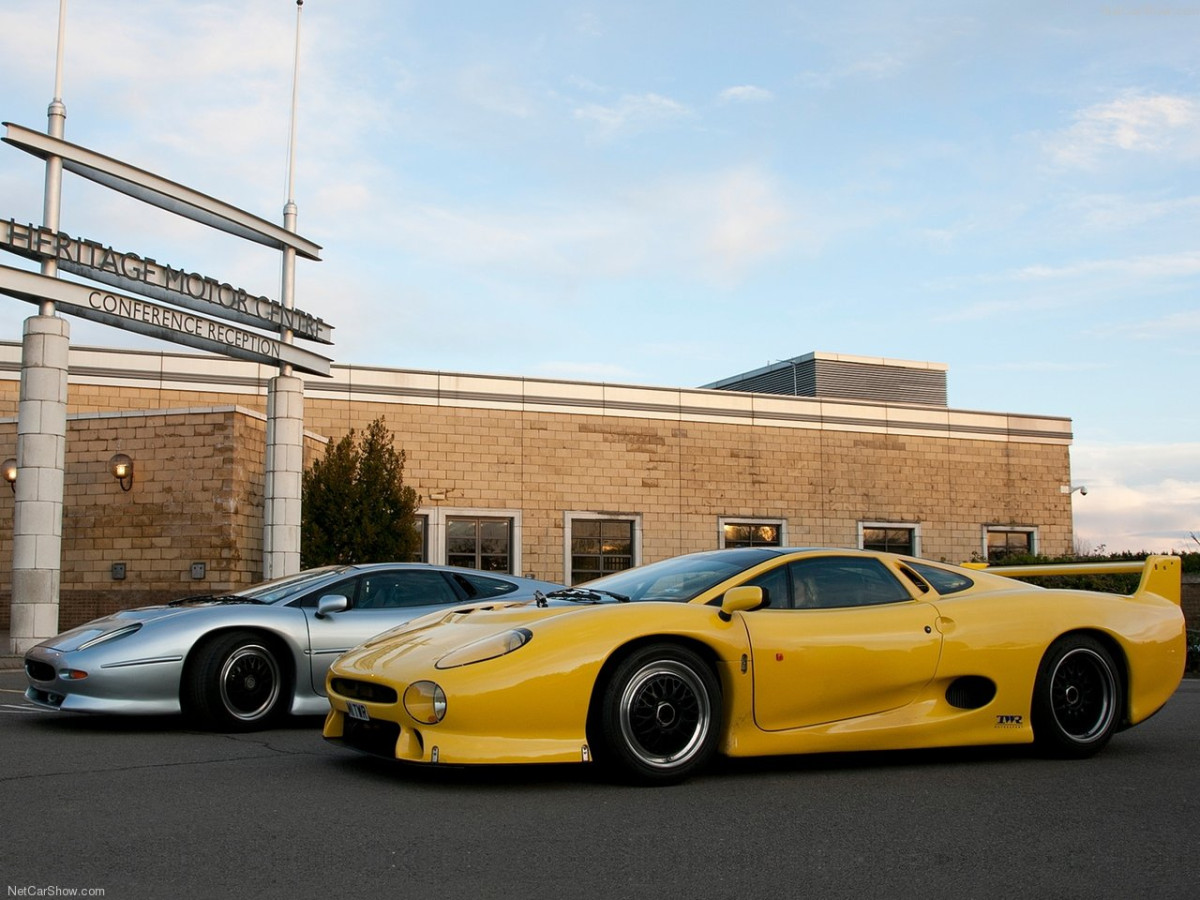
point(41, 456)
point(284, 471)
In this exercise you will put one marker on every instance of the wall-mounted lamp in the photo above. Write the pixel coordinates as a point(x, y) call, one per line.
point(9, 470)
point(121, 467)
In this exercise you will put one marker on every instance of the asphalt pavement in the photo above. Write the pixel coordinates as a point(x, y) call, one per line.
point(146, 808)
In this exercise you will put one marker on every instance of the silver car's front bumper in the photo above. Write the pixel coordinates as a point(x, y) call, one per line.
point(128, 687)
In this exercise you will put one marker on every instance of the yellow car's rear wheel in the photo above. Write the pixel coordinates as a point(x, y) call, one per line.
point(1077, 699)
point(661, 714)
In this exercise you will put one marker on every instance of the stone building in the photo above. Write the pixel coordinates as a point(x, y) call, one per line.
point(559, 479)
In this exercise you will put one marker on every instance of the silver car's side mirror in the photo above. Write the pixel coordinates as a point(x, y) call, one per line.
point(330, 604)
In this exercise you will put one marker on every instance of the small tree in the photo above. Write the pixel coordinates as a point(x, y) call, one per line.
point(356, 507)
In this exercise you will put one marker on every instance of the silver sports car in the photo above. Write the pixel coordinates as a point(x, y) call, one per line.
point(236, 662)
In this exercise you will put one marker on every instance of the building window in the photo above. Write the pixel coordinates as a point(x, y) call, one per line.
point(750, 533)
point(421, 526)
point(599, 544)
point(473, 537)
point(475, 542)
point(890, 537)
point(1002, 541)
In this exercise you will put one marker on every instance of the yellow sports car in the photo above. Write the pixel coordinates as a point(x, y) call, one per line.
point(760, 651)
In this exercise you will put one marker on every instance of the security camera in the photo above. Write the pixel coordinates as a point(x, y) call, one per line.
point(1083, 491)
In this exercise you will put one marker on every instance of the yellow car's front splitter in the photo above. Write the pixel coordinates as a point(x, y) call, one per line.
point(435, 744)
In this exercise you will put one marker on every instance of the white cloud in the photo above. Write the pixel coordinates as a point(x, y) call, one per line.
point(1140, 496)
point(1071, 284)
point(632, 113)
point(1171, 325)
point(713, 224)
point(1123, 212)
point(588, 24)
point(1141, 123)
point(490, 88)
point(996, 308)
point(745, 93)
point(746, 221)
point(1166, 265)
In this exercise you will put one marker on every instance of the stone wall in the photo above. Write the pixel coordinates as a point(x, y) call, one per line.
point(677, 460)
point(196, 497)
point(681, 477)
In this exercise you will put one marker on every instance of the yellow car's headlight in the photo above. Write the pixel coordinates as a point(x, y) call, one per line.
point(488, 648)
point(425, 702)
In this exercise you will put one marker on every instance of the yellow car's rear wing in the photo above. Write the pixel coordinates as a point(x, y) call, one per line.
point(1161, 575)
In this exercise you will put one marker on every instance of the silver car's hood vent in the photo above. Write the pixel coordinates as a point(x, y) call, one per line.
point(71, 640)
point(212, 600)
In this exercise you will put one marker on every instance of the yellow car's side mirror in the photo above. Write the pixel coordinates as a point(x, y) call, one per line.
point(739, 599)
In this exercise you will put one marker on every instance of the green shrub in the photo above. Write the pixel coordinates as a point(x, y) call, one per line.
point(356, 507)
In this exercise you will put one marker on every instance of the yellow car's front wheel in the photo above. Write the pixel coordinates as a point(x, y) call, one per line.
point(660, 714)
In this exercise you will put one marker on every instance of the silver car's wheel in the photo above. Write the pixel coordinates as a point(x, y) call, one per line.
point(234, 683)
point(249, 682)
point(661, 714)
point(1077, 703)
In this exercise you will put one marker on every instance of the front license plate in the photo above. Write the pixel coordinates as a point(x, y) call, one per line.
point(357, 711)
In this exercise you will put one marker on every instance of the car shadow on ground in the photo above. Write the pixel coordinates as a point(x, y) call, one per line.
point(94, 723)
point(532, 775)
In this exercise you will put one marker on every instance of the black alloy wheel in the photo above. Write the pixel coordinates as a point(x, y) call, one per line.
point(660, 715)
point(1077, 699)
point(235, 683)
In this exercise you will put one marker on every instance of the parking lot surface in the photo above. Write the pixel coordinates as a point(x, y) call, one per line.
point(141, 808)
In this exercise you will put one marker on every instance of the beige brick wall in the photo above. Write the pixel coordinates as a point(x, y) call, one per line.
point(680, 477)
point(196, 497)
point(198, 486)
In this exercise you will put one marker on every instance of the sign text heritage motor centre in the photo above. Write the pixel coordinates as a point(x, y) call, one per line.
point(146, 276)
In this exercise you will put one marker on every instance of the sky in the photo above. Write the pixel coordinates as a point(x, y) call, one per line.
point(670, 193)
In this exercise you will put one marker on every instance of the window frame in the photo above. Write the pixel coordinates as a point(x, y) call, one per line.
point(572, 516)
point(1030, 530)
point(421, 526)
point(914, 527)
point(723, 521)
point(435, 531)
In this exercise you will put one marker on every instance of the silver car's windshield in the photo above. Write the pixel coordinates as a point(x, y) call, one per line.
point(281, 588)
point(682, 578)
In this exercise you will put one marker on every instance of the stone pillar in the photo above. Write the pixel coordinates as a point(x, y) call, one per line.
point(41, 456)
point(284, 471)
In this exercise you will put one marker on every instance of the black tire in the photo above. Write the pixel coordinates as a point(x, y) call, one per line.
point(660, 715)
point(235, 682)
point(1078, 698)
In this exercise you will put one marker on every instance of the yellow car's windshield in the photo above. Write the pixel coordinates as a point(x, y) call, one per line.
point(682, 578)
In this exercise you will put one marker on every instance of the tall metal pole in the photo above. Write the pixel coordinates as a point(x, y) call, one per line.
point(288, 288)
point(55, 127)
point(285, 399)
point(42, 427)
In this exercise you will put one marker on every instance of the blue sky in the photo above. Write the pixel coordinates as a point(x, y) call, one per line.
point(669, 193)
